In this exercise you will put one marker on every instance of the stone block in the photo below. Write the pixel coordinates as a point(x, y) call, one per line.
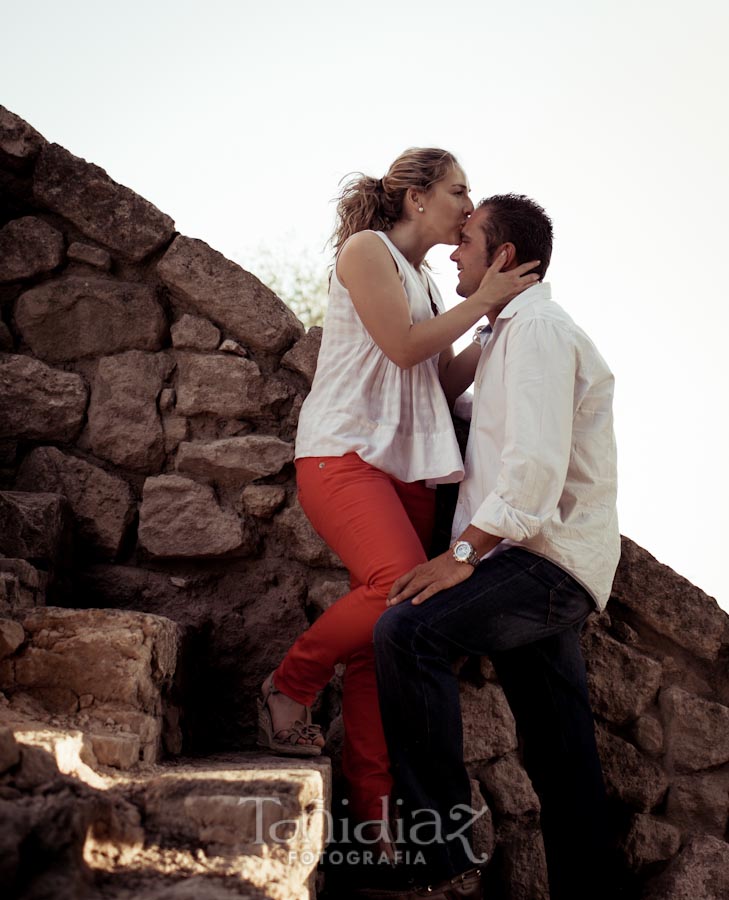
point(102, 504)
point(195, 333)
point(39, 403)
point(124, 424)
point(19, 142)
point(294, 535)
point(261, 806)
point(73, 317)
point(201, 278)
point(224, 385)
point(233, 347)
point(9, 750)
point(90, 256)
point(176, 429)
point(323, 594)
point(508, 788)
point(649, 840)
point(29, 247)
point(700, 802)
point(622, 681)
point(11, 637)
point(100, 208)
point(235, 460)
point(262, 500)
point(21, 586)
point(181, 518)
point(125, 660)
point(489, 730)
point(669, 604)
point(33, 526)
point(701, 870)
point(648, 735)
point(302, 357)
point(636, 781)
point(696, 730)
point(520, 862)
point(121, 751)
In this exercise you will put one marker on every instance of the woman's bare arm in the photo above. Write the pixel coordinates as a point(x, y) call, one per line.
point(366, 268)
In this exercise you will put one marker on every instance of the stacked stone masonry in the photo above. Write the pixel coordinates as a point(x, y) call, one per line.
point(149, 394)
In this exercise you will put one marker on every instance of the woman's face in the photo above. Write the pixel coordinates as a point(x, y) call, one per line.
point(447, 206)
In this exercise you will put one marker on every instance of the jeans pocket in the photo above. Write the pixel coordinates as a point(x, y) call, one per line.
point(569, 604)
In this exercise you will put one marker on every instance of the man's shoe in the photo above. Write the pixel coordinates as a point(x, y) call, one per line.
point(466, 886)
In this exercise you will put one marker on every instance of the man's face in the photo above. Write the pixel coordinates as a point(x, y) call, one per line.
point(471, 255)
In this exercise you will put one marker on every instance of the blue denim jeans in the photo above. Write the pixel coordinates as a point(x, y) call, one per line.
point(526, 614)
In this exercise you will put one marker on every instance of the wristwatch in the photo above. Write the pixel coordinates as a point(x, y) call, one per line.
point(465, 552)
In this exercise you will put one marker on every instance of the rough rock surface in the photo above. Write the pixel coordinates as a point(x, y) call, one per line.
point(223, 385)
point(103, 668)
point(656, 597)
point(700, 870)
point(180, 517)
point(29, 247)
point(39, 403)
point(195, 333)
point(103, 210)
point(74, 317)
point(698, 734)
point(21, 586)
point(303, 356)
point(19, 141)
point(262, 500)
point(33, 526)
point(636, 781)
point(124, 425)
point(238, 460)
point(217, 288)
point(486, 705)
point(90, 256)
point(300, 540)
point(102, 504)
point(12, 636)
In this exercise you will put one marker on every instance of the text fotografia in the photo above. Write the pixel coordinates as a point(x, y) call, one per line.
point(427, 827)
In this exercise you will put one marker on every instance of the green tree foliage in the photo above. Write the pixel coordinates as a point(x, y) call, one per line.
point(301, 281)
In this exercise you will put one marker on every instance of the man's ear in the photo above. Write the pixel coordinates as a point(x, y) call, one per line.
point(511, 259)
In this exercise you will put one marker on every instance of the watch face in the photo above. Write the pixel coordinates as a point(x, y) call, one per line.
point(462, 550)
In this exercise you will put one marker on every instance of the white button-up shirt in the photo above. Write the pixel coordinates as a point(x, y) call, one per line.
point(541, 468)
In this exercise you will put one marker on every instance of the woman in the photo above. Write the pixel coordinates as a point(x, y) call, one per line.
point(375, 436)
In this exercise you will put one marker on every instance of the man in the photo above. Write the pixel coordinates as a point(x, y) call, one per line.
point(536, 545)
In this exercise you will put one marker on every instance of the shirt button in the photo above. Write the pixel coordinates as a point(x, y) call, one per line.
point(321, 465)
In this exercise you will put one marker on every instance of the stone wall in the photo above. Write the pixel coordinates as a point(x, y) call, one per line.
point(149, 391)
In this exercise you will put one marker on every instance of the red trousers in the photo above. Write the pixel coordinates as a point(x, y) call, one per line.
point(379, 527)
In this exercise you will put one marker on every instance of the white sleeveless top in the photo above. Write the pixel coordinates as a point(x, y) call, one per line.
point(361, 402)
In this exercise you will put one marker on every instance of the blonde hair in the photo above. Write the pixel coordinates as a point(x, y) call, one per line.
point(377, 203)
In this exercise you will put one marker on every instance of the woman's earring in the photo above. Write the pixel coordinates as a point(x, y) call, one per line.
point(420, 209)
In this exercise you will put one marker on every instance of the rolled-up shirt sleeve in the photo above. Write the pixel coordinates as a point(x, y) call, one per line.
point(539, 385)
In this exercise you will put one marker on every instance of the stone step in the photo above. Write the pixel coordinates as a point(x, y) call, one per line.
point(233, 825)
point(257, 822)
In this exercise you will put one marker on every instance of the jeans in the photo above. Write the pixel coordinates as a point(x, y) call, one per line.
point(526, 614)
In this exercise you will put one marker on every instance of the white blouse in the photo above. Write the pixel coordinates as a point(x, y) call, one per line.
point(361, 402)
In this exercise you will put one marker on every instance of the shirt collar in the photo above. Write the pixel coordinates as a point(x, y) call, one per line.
point(539, 291)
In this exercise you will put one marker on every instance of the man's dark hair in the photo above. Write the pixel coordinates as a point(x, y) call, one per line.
point(522, 222)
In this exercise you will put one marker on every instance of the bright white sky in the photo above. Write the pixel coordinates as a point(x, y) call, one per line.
point(239, 118)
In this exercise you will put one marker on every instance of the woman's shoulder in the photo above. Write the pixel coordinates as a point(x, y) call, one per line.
point(364, 242)
point(364, 249)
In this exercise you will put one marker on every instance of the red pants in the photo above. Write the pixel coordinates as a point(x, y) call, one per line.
point(379, 527)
